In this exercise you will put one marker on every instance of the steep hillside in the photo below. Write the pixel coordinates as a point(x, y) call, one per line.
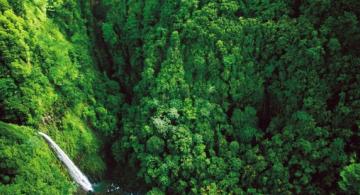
point(182, 97)
point(49, 81)
point(27, 166)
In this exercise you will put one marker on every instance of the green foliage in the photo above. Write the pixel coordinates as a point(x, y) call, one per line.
point(155, 191)
point(49, 81)
point(218, 97)
point(236, 96)
point(109, 34)
point(28, 166)
point(155, 145)
point(350, 179)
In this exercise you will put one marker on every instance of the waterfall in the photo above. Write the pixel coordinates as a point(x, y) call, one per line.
point(74, 171)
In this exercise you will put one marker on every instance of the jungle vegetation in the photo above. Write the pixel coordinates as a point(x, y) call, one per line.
point(182, 96)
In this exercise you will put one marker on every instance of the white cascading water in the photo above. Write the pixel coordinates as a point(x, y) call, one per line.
point(74, 171)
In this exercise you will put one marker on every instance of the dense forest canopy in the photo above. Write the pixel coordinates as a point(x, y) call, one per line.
point(182, 97)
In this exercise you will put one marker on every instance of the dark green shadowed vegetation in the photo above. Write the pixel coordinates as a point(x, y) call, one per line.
point(183, 97)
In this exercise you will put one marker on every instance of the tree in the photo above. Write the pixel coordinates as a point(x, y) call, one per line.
point(350, 179)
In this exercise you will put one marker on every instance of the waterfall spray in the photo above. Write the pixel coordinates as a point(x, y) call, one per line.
point(74, 171)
